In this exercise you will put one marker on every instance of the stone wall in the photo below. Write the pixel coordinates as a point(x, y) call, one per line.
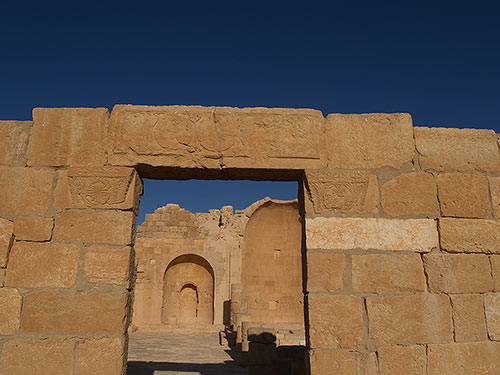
point(401, 231)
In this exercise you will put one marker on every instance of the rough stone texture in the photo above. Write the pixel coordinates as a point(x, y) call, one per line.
point(443, 149)
point(468, 318)
point(343, 191)
point(25, 190)
point(458, 273)
point(68, 136)
point(112, 227)
point(35, 265)
point(14, 142)
point(410, 194)
point(33, 228)
point(335, 321)
point(340, 362)
point(108, 264)
point(325, 271)
point(100, 357)
point(480, 358)
point(418, 319)
point(37, 357)
point(495, 195)
point(366, 364)
point(472, 236)
point(369, 140)
point(383, 234)
point(492, 308)
point(2, 277)
point(464, 195)
point(379, 273)
point(6, 239)
point(10, 308)
point(74, 313)
point(98, 187)
point(407, 360)
point(495, 267)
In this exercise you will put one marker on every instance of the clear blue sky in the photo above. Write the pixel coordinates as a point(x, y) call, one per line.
point(439, 60)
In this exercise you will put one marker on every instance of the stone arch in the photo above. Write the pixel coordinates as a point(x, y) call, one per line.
point(188, 291)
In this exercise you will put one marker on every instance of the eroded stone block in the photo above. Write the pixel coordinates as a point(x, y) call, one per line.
point(408, 360)
point(100, 357)
point(2, 277)
point(341, 362)
point(325, 271)
point(369, 140)
point(14, 142)
point(468, 318)
point(418, 235)
point(492, 308)
point(495, 267)
point(10, 308)
point(33, 228)
point(367, 364)
point(495, 195)
point(47, 264)
point(6, 239)
point(105, 264)
point(472, 236)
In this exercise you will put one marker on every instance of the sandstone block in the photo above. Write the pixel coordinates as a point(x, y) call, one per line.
point(33, 228)
point(478, 358)
point(341, 362)
point(464, 195)
point(35, 265)
point(458, 273)
point(471, 236)
point(368, 233)
point(410, 194)
point(343, 191)
point(37, 356)
point(446, 149)
point(100, 357)
point(2, 277)
point(418, 319)
point(74, 313)
point(25, 190)
point(367, 364)
point(325, 271)
point(408, 360)
point(6, 239)
point(495, 195)
point(495, 267)
point(10, 308)
point(335, 321)
point(68, 136)
point(468, 318)
point(112, 227)
point(14, 142)
point(108, 264)
point(492, 307)
point(369, 140)
point(98, 187)
point(378, 273)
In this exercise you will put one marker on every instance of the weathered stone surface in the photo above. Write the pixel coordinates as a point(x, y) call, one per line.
point(98, 187)
point(33, 228)
point(6, 239)
point(398, 360)
point(478, 358)
point(410, 194)
point(335, 321)
point(112, 227)
point(341, 362)
point(468, 318)
point(366, 364)
point(68, 136)
point(379, 273)
point(418, 319)
point(443, 149)
point(495, 267)
point(369, 140)
point(471, 236)
point(495, 195)
point(47, 264)
point(25, 190)
point(10, 308)
point(100, 357)
point(2, 277)
point(343, 191)
point(74, 313)
point(209, 137)
point(14, 142)
point(325, 271)
point(464, 195)
point(492, 308)
point(383, 234)
point(37, 356)
point(458, 273)
point(108, 264)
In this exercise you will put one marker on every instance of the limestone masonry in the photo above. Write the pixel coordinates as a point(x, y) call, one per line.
point(388, 263)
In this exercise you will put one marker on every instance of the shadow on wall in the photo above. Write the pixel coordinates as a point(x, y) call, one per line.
point(156, 368)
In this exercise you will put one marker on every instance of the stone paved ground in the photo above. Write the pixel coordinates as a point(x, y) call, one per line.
point(180, 354)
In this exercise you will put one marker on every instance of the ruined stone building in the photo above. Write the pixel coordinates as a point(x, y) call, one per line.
point(396, 230)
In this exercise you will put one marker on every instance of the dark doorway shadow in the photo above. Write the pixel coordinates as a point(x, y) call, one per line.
point(149, 368)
